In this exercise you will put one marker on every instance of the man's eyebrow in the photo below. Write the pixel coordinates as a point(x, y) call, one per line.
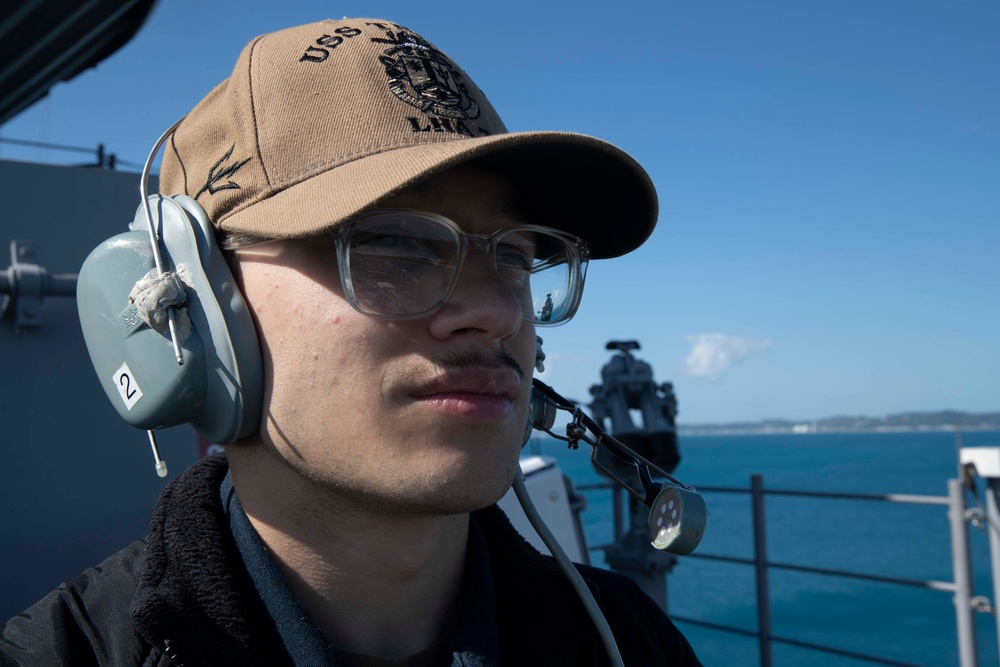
point(511, 206)
point(506, 205)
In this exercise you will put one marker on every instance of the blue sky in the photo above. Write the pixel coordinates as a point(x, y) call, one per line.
point(829, 176)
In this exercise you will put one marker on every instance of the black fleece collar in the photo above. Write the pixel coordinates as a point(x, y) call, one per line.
point(195, 592)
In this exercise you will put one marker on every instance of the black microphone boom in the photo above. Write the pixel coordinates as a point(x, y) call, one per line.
point(677, 512)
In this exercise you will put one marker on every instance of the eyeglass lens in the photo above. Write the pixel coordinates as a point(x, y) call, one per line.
point(403, 264)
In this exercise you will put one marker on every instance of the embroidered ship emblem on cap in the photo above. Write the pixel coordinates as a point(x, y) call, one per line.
point(423, 77)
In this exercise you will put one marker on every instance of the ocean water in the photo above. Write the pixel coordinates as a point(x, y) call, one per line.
point(908, 625)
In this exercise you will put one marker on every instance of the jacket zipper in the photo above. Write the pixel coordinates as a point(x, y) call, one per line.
point(170, 652)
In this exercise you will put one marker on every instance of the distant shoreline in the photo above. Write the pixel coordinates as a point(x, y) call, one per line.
point(906, 422)
point(707, 430)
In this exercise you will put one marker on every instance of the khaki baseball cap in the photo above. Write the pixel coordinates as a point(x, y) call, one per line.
point(322, 121)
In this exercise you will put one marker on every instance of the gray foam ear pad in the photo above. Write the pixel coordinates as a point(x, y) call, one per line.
point(219, 387)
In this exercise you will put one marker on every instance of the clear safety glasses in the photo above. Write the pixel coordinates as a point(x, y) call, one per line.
point(402, 264)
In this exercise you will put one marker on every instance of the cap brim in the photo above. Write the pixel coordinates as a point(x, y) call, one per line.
point(573, 182)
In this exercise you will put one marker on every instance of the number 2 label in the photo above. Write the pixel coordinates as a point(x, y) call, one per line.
point(127, 386)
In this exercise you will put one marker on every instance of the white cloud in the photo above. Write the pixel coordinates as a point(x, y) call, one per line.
point(712, 354)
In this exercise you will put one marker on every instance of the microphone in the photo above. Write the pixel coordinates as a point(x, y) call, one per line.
point(161, 465)
point(677, 514)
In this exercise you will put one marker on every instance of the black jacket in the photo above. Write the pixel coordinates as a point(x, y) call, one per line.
point(182, 598)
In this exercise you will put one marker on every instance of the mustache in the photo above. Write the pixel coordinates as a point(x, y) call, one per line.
point(476, 358)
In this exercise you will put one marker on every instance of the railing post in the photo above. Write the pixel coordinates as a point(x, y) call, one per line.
point(993, 528)
point(962, 567)
point(760, 566)
point(619, 512)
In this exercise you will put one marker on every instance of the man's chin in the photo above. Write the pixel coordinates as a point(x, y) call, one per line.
point(459, 495)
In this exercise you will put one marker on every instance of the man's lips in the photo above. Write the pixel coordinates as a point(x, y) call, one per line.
point(480, 393)
point(495, 381)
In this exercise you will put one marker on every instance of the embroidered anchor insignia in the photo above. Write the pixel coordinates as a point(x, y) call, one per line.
point(215, 175)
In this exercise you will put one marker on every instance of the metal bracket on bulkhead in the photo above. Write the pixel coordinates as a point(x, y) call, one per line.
point(24, 285)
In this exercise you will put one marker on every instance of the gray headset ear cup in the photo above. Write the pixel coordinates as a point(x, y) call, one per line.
point(533, 407)
point(529, 426)
point(540, 414)
point(234, 369)
point(218, 389)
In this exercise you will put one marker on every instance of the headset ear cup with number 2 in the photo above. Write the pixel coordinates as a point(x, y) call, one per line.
point(218, 389)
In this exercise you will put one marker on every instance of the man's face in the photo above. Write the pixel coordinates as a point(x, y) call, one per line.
point(421, 416)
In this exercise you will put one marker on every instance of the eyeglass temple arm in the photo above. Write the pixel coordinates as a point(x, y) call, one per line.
point(577, 430)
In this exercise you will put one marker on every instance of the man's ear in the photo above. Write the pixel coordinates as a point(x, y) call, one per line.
point(539, 355)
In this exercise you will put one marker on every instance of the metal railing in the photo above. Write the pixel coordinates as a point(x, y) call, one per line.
point(103, 159)
point(961, 588)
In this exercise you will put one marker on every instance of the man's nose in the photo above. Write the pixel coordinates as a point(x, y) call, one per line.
point(482, 302)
